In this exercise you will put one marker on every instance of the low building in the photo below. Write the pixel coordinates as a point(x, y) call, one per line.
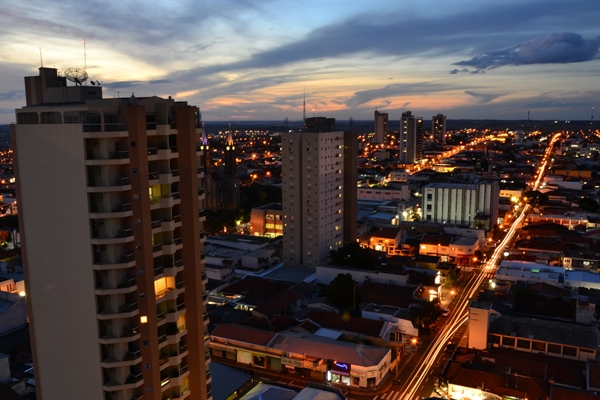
point(313, 356)
point(267, 220)
point(387, 240)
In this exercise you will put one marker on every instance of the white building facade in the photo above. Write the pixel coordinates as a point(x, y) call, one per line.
point(460, 203)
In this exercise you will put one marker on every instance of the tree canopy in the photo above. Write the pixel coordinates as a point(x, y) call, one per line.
point(352, 255)
point(342, 291)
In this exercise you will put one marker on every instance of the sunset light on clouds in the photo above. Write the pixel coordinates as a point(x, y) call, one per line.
point(255, 59)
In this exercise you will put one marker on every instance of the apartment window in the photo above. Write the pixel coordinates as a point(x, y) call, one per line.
point(429, 208)
point(27, 118)
point(508, 341)
point(494, 339)
point(523, 344)
point(554, 348)
point(538, 346)
point(73, 117)
point(429, 196)
point(569, 351)
point(51, 117)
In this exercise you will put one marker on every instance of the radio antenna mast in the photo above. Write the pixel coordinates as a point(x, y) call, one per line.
point(84, 57)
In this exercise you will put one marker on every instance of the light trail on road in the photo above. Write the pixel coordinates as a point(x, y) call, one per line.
point(460, 315)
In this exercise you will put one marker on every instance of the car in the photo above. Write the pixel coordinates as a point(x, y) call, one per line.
point(450, 348)
point(445, 312)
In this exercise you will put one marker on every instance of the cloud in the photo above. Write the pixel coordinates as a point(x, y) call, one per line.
point(396, 89)
point(456, 71)
point(12, 95)
point(483, 97)
point(562, 48)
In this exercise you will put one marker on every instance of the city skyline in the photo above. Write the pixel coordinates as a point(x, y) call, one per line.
point(255, 60)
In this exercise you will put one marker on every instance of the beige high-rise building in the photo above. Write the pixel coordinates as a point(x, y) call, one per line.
point(411, 139)
point(438, 128)
point(111, 221)
point(381, 127)
point(319, 194)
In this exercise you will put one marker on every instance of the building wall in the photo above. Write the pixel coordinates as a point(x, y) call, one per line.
point(111, 236)
point(266, 222)
point(460, 204)
point(313, 179)
point(381, 126)
point(478, 328)
point(384, 193)
point(16, 315)
point(55, 225)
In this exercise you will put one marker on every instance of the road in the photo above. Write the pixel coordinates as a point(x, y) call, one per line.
point(419, 383)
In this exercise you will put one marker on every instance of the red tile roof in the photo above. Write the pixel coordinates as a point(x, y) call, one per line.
point(347, 323)
point(278, 303)
point(243, 334)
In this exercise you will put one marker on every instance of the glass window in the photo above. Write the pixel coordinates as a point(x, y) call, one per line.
point(570, 351)
point(53, 117)
point(554, 348)
point(538, 346)
point(508, 341)
point(27, 118)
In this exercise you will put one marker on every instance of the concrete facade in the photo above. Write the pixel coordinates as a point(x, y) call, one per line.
point(111, 216)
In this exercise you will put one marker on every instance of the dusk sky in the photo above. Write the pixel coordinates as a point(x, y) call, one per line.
point(253, 59)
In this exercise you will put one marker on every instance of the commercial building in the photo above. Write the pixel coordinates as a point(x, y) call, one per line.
point(438, 128)
point(411, 139)
point(319, 188)
point(266, 220)
point(111, 217)
point(381, 127)
point(472, 204)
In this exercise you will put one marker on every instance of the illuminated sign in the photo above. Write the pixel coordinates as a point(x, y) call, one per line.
point(340, 369)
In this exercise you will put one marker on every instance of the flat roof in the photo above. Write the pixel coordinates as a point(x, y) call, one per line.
point(546, 331)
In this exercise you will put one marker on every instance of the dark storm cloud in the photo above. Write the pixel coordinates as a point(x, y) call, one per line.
point(562, 48)
point(396, 89)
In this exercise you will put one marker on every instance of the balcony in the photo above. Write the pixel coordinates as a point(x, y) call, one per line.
point(153, 176)
point(156, 224)
point(123, 181)
point(201, 213)
point(157, 247)
point(201, 192)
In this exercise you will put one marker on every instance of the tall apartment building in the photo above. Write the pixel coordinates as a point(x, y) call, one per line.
point(461, 203)
point(438, 128)
point(411, 138)
point(319, 172)
point(111, 223)
point(381, 126)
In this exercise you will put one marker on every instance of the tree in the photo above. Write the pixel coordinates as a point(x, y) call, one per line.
point(426, 315)
point(535, 198)
point(588, 204)
point(352, 255)
point(342, 291)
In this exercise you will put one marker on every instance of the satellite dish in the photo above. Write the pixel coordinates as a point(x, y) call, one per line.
point(76, 75)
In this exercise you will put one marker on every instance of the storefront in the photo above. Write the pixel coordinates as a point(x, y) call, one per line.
point(340, 373)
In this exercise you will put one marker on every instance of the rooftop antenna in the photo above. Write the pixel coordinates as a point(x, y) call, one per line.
point(351, 122)
point(304, 112)
point(41, 62)
point(84, 57)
